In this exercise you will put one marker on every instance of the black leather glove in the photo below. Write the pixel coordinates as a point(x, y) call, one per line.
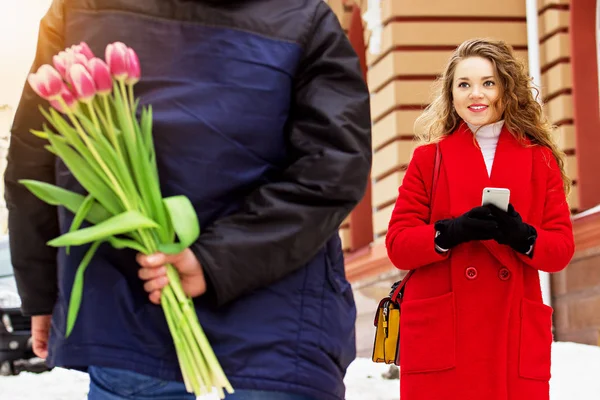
point(512, 231)
point(476, 224)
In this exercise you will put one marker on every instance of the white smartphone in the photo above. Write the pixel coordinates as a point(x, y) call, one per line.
point(500, 197)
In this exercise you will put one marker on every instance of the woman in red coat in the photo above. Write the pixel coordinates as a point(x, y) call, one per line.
point(473, 323)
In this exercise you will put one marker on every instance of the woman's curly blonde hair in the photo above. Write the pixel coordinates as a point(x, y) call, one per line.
point(523, 115)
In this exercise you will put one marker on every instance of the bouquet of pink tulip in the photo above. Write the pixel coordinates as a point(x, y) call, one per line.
point(94, 129)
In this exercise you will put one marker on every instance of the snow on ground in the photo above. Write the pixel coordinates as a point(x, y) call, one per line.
point(575, 372)
point(364, 382)
point(575, 376)
point(59, 384)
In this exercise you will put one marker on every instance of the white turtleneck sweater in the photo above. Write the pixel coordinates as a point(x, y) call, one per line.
point(487, 136)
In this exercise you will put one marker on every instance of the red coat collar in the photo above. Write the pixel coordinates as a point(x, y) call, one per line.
point(467, 175)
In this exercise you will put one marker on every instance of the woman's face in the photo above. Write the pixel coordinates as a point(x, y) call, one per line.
point(476, 91)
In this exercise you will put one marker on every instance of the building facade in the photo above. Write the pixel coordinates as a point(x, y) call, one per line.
point(407, 46)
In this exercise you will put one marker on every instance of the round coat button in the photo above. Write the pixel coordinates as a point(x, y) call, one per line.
point(471, 272)
point(504, 274)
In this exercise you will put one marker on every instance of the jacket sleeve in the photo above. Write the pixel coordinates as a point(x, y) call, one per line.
point(284, 223)
point(554, 246)
point(410, 237)
point(31, 222)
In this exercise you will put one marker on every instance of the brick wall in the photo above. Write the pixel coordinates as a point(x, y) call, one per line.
point(576, 290)
point(556, 85)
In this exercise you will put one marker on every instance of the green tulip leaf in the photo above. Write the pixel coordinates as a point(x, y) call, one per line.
point(93, 182)
point(40, 134)
point(120, 243)
point(80, 215)
point(77, 290)
point(72, 201)
point(184, 222)
point(50, 149)
point(126, 222)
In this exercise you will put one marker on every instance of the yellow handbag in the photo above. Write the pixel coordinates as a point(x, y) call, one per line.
point(386, 348)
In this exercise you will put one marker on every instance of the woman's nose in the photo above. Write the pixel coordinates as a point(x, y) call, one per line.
point(476, 93)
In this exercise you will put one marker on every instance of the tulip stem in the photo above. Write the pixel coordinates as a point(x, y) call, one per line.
point(126, 102)
point(94, 116)
point(130, 93)
point(111, 127)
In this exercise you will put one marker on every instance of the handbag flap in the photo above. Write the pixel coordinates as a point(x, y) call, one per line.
point(379, 307)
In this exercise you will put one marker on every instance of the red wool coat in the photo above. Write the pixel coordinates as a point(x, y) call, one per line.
point(473, 325)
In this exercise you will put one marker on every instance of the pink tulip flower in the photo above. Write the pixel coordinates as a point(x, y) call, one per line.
point(63, 61)
point(60, 63)
point(117, 60)
point(79, 58)
point(133, 67)
point(46, 82)
point(69, 99)
point(83, 83)
point(84, 49)
point(101, 74)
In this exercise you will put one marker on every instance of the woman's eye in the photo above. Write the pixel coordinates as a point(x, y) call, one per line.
point(489, 83)
point(463, 85)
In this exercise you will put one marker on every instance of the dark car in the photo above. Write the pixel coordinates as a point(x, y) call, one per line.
point(15, 329)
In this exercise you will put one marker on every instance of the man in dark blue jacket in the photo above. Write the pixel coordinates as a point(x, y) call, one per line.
point(261, 118)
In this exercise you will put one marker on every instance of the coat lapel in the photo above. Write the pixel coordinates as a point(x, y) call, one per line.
point(467, 176)
point(465, 170)
point(512, 169)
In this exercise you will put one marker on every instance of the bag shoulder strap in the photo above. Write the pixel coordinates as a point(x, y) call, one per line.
point(396, 291)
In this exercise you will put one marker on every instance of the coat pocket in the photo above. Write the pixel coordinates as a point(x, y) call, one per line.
point(428, 335)
point(536, 340)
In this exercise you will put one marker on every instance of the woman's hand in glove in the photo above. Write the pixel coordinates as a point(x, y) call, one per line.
point(476, 224)
point(513, 231)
